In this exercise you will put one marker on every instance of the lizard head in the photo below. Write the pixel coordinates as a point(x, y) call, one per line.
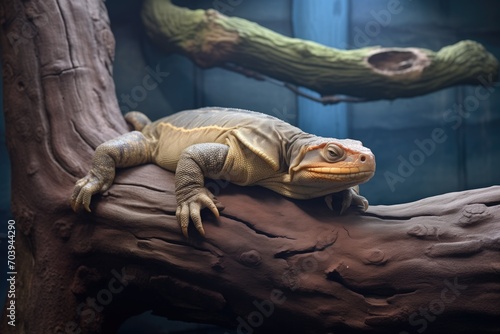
point(342, 162)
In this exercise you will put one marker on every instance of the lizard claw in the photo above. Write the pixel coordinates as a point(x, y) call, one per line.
point(344, 199)
point(84, 189)
point(329, 201)
point(190, 208)
point(360, 201)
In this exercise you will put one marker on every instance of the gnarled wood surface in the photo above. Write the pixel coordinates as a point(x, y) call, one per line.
point(270, 264)
point(59, 104)
point(430, 264)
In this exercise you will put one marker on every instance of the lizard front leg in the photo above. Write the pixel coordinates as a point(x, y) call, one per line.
point(128, 150)
point(346, 198)
point(195, 163)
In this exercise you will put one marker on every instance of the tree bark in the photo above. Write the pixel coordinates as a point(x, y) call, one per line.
point(269, 264)
point(59, 104)
point(212, 39)
point(273, 264)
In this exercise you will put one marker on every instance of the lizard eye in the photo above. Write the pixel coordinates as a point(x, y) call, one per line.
point(334, 153)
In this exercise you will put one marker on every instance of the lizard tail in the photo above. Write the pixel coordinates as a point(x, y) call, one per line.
point(137, 120)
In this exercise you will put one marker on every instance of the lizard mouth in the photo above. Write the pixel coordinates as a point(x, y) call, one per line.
point(348, 174)
point(341, 170)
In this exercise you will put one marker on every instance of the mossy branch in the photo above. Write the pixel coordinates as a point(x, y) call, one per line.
point(212, 39)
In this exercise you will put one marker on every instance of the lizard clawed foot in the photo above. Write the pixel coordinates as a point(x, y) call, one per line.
point(344, 199)
point(190, 209)
point(85, 188)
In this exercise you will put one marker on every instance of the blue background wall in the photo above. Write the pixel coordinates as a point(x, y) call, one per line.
point(468, 158)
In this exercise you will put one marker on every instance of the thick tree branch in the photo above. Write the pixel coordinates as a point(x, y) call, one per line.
point(212, 39)
point(303, 269)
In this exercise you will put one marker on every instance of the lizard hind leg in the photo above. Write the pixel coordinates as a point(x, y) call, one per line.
point(130, 149)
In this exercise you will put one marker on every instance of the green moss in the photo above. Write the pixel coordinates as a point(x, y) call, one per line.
point(326, 70)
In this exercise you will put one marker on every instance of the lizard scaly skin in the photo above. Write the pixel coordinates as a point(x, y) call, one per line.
point(244, 147)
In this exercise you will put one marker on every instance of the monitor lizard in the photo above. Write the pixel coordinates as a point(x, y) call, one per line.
point(243, 147)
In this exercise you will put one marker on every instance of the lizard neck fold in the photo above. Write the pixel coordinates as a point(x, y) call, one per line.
point(297, 148)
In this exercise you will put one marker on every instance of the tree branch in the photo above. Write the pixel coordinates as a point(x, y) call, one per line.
point(212, 39)
point(308, 271)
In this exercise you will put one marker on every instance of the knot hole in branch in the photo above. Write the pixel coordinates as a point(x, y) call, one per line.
point(397, 62)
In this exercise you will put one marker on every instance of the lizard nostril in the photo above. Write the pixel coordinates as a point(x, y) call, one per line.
point(362, 158)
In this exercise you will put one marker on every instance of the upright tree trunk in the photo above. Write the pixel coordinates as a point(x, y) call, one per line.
point(59, 104)
point(271, 264)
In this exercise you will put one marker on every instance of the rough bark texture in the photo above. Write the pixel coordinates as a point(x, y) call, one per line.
point(313, 272)
point(212, 39)
point(59, 104)
point(270, 264)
